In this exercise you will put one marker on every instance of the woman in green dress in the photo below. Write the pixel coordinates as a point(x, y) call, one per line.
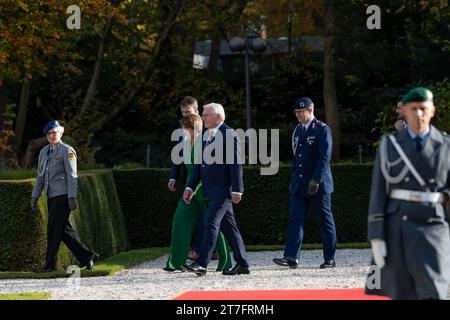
point(186, 215)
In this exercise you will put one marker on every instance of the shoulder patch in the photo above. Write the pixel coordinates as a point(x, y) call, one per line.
point(71, 156)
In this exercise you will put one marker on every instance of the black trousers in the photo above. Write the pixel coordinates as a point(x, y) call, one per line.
point(59, 229)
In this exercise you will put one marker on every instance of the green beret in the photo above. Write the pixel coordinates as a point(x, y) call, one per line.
point(419, 94)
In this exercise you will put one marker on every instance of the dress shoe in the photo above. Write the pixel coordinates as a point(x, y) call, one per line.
point(90, 264)
point(193, 255)
point(237, 269)
point(194, 267)
point(169, 269)
point(328, 264)
point(286, 262)
point(44, 270)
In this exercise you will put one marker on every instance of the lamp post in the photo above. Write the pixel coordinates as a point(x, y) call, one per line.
point(257, 44)
point(289, 25)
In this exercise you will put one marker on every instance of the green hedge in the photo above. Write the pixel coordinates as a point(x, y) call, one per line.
point(126, 209)
point(147, 205)
point(98, 220)
point(262, 216)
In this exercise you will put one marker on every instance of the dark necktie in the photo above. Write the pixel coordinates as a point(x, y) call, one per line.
point(302, 131)
point(418, 142)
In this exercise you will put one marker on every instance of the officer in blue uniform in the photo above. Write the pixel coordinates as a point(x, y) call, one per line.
point(311, 184)
point(57, 177)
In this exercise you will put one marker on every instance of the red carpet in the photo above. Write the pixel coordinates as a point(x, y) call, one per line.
point(323, 294)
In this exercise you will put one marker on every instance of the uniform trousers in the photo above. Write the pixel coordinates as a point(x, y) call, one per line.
point(59, 229)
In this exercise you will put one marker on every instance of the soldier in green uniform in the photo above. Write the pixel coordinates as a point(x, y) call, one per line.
point(408, 222)
point(57, 177)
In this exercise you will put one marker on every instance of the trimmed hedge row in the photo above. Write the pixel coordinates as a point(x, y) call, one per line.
point(262, 215)
point(98, 220)
point(147, 205)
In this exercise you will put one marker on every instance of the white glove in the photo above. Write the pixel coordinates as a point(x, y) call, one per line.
point(379, 251)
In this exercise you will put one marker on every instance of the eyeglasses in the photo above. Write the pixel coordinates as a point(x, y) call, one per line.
point(52, 133)
point(208, 114)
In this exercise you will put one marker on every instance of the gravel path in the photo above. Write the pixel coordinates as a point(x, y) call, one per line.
point(149, 281)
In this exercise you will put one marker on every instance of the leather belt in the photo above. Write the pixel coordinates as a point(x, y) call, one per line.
point(416, 196)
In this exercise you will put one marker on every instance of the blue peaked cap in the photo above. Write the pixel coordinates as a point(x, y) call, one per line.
point(302, 103)
point(50, 125)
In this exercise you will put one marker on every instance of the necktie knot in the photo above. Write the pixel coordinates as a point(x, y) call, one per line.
point(210, 137)
point(418, 141)
point(302, 130)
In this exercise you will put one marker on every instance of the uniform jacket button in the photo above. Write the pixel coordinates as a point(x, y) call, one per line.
point(405, 217)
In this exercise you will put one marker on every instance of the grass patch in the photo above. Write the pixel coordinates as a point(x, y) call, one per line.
point(107, 267)
point(25, 296)
point(125, 260)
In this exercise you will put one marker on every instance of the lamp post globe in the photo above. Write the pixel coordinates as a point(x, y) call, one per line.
point(237, 44)
point(259, 45)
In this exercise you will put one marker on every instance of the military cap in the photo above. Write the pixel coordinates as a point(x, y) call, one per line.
point(302, 103)
point(50, 125)
point(419, 94)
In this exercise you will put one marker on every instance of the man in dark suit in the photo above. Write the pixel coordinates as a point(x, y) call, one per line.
point(311, 184)
point(188, 105)
point(222, 186)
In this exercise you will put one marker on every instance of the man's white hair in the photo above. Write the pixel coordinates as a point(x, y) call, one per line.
point(217, 109)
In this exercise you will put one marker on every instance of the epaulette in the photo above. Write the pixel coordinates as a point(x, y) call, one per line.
point(320, 123)
point(65, 145)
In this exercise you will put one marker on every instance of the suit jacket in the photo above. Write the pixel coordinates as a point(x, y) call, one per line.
point(219, 180)
point(57, 172)
point(432, 164)
point(312, 156)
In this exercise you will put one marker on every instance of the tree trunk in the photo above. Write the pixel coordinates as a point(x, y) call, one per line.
point(329, 89)
point(92, 89)
point(33, 147)
point(3, 100)
point(22, 114)
point(128, 96)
